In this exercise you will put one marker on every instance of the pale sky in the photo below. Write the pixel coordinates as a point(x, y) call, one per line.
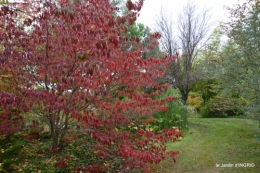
point(152, 7)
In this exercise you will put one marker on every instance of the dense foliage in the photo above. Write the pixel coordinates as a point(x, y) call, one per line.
point(220, 106)
point(234, 64)
point(69, 70)
point(241, 61)
point(176, 116)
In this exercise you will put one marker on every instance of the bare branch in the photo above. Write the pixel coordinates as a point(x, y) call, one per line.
point(189, 36)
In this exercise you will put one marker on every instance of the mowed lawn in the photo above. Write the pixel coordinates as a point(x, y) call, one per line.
point(212, 141)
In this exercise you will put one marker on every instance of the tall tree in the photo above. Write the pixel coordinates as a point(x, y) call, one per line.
point(241, 61)
point(188, 39)
point(213, 53)
point(148, 45)
point(70, 70)
point(138, 32)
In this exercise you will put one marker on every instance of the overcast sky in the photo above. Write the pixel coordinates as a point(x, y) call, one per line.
point(152, 7)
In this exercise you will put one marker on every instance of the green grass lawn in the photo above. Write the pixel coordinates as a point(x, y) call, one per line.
point(214, 141)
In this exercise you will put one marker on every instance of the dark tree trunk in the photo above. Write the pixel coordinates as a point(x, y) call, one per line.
point(184, 96)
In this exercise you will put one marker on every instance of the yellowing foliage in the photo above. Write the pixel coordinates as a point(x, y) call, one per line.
point(5, 83)
point(195, 101)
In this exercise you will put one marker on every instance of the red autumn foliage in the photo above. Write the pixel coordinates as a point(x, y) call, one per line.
point(60, 163)
point(10, 108)
point(69, 66)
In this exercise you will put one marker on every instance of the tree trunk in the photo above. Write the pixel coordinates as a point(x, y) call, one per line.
point(55, 135)
point(55, 140)
point(184, 96)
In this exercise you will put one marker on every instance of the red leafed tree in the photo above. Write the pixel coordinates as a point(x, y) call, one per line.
point(70, 68)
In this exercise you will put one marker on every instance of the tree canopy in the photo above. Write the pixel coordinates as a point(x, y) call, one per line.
point(241, 61)
point(69, 68)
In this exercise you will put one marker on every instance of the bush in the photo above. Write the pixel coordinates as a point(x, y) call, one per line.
point(208, 88)
point(195, 100)
point(222, 107)
point(176, 116)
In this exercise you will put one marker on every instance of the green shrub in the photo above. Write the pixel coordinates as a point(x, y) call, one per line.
point(204, 111)
point(220, 106)
point(207, 88)
point(176, 116)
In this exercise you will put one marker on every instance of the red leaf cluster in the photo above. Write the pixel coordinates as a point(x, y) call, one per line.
point(11, 107)
point(137, 6)
point(61, 163)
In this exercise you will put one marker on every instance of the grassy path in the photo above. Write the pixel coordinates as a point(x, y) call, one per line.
point(215, 141)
